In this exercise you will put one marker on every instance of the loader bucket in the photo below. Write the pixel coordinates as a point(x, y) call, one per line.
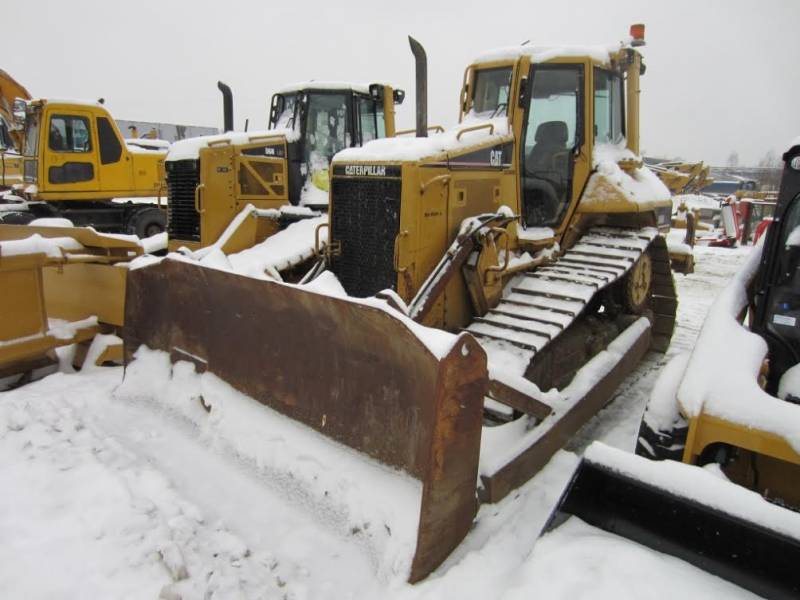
point(684, 511)
point(353, 371)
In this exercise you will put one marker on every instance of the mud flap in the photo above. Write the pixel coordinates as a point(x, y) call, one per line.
point(353, 371)
point(617, 492)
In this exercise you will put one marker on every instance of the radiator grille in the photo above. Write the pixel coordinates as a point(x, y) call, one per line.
point(365, 221)
point(182, 179)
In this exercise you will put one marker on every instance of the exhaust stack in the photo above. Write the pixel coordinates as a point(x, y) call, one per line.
point(227, 106)
point(421, 73)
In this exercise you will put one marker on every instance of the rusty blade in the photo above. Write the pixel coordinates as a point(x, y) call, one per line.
point(353, 372)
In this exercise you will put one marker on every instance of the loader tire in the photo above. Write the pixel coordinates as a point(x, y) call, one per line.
point(148, 222)
point(16, 217)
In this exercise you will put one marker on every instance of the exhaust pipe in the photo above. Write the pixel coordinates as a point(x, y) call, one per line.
point(421, 73)
point(227, 106)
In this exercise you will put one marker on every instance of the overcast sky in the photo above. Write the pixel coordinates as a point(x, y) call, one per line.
point(722, 74)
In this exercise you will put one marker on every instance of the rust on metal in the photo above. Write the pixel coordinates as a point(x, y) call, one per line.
point(505, 394)
point(353, 372)
point(528, 463)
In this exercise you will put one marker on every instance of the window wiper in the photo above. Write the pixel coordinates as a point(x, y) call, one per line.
point(502, 106)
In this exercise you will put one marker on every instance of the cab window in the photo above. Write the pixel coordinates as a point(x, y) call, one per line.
point(371, 119)
point(69, 133)
point(609, 107)
point(490, 96)
point(5, 136)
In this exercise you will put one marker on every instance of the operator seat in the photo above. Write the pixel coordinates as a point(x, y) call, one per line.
point(551, 139)
point(546, 175)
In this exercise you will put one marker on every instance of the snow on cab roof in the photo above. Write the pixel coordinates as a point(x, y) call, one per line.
point(189, 149)
point(413, 148)
point(325, 85)
point(75, 101)
point(600, 54)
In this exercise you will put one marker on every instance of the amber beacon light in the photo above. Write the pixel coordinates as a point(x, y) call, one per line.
point(637, 33)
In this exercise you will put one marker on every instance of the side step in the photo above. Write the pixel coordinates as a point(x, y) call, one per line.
point(683, 511)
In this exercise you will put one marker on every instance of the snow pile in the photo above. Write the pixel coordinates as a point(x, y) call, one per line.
point(694, 202)
point(358, 497)
point(641, 185)
point(725, 384)
point(189, 149)
point(414, 148)
point(535, 234)
point(36, 244)
point(51, 222)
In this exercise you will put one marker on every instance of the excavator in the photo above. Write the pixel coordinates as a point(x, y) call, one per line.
point(277, 176)
point(76, 165)
point(10, 137)
point(736, 413)
point(481, 294)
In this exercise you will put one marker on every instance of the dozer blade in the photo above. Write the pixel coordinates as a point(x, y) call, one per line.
point(684, 511)
point(353, 371)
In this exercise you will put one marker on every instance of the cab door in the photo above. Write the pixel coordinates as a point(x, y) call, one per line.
point(116, 166)
point(553, 154)
point(70, 153)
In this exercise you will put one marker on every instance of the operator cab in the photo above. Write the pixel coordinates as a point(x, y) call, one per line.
point(327, 117)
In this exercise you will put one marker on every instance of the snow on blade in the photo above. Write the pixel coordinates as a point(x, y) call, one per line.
point(359, 497)
point(693, 483)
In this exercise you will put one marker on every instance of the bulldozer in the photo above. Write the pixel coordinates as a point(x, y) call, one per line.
point(737, 413)
point(76, 165)
point(10, 137)
point(492, 286)
point(211, 180)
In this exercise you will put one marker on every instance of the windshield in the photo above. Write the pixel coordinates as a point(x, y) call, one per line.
point(326, 127)
point(490, 94)
point(31, 134)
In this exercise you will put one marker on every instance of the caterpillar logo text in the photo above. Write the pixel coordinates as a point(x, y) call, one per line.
point(365, 170)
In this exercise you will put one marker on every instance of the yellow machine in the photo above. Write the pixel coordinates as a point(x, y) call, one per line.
point(683, 177)
point(212, 179)
point(78, 166)
point(531, 230)
point(732, 406)
point(64, 285)
point(10, 137)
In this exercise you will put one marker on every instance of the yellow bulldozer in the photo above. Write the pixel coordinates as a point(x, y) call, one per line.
point(76, 165)
point(481, 294)
point(277, 176)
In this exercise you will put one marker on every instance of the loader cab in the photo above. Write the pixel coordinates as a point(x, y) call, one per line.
point(777, 286)
point(327, 119)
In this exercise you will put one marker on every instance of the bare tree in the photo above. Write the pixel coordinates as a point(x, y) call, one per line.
point(770, 176)
point(733, 159)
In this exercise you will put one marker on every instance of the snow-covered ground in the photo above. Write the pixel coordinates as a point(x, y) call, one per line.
point(104, 497)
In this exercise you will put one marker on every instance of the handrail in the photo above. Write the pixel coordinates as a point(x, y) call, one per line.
point(489, 126)
point(436, 128)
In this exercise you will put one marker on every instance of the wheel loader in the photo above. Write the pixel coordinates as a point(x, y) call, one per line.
point(487, 288)
point(77, 165)
point(211, 180)
point(732, 405)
